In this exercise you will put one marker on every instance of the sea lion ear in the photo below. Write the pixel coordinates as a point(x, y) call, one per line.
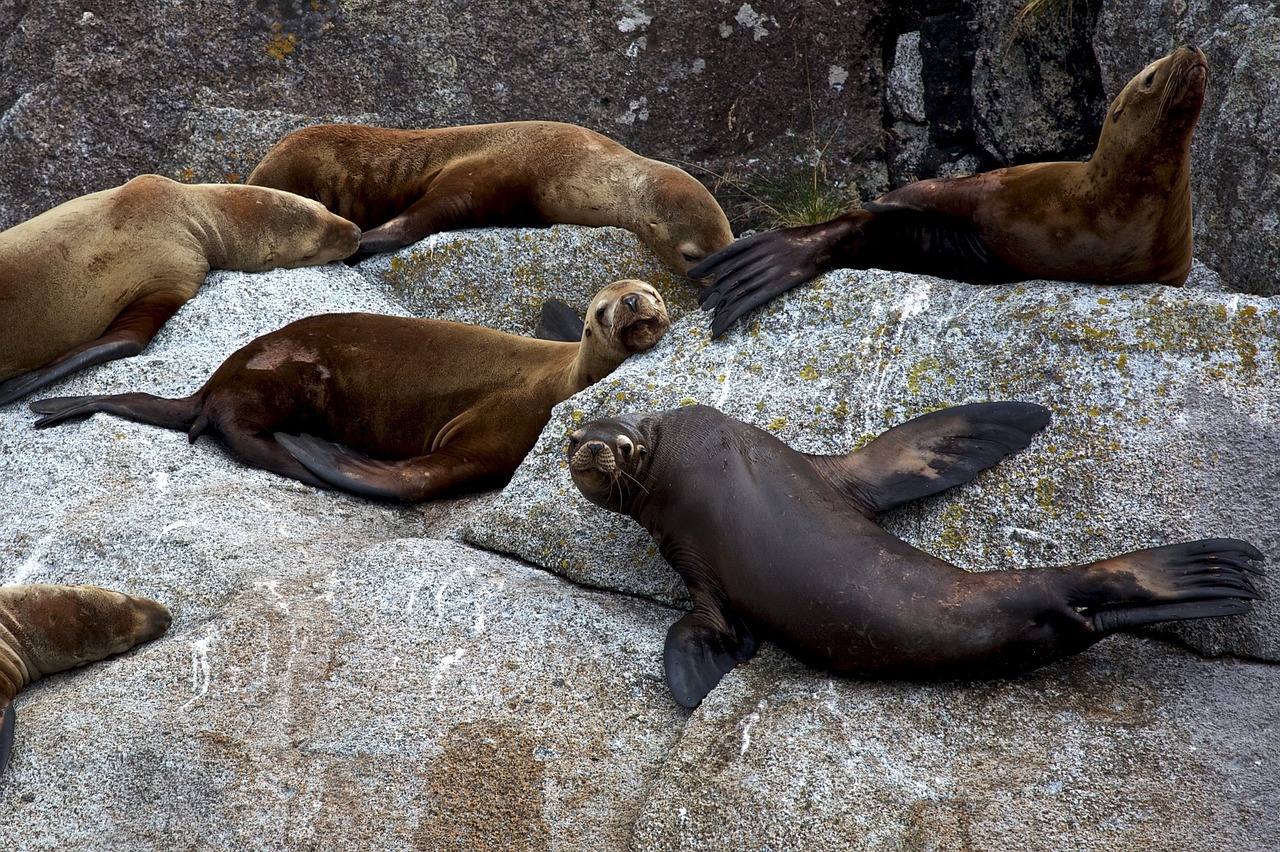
point(7, 723)
point(698, 654)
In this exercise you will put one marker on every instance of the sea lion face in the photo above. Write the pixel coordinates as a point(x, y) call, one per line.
point(625, 317)
point(687, 224)
point(1161, 102)
point(68, 626)
point(270, 229)
point(608, 460)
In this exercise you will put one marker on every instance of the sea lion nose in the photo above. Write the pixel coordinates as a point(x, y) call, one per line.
point(632, 302)
point(594, 448)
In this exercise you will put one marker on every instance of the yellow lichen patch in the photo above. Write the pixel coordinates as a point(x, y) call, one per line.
point(281, 45)
point(953, 535)
point(234, 177)
point(777, 424)
point(915, 374)
point(809, 372)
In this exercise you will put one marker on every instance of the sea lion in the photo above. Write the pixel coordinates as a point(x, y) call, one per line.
point(774, 543)
point(440, 404)
point(1123, 217)
point(95, 278)
point(403, 185)
point(46, 629)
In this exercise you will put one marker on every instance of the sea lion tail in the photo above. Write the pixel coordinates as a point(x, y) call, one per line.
point(1196, 579)
point(177, 414)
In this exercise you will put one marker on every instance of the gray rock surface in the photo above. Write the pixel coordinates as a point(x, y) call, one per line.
point(345, 673)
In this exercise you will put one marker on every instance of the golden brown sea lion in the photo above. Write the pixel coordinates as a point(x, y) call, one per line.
point(46, 629)
point(1123, 217)
point(778, 544)
point(93, 279)
point(440, 405)
point(402, 185)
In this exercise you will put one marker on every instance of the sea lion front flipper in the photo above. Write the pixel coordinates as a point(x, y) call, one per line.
point(952, 196)
point(408, 480)
point(754, 270)
point(558, 321)
point(698, 653)
point(931, 453)
point(128, 334)
point(7, 722)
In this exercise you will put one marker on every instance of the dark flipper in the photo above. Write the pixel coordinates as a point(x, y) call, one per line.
point(754, 270)
point(408, 480)
point(931, 453)
point(128, 334)
point(698, 654)
point(1194, 579)
point(558, 321)
point(7, 722)
point(140, 407)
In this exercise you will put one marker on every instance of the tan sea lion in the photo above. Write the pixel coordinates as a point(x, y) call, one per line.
point(93, 279)
point(46, 629)
point(778, 544)
point(440, 405)
point(402, 185)
point(1123, 217)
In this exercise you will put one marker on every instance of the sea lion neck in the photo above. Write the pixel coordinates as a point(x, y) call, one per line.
point(594, 360)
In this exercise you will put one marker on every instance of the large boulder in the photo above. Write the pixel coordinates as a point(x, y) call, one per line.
point(347, 673)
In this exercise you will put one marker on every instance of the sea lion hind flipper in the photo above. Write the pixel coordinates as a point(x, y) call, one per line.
point(139, 407)
point(7, 722)
point(408, 480)
point(698, 654)
point(931, 453)
point(559, 322)
point(1174, 582)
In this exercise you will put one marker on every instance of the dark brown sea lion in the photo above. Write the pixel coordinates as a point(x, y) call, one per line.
point(1124, 217)
point(403, 185)
point(93, 279)
point(47, 629)
point(440, 405)
point(778, 544)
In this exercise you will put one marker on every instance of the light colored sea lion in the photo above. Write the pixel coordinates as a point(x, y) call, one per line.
point(440, 405)
point(1123, 217)
point(46, 629)
point(403, 185)
point(95, 278)
point(777, 544)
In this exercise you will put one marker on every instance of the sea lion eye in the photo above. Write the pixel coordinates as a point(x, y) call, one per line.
point(690, 257)
point(575, 439)
point(625, 446)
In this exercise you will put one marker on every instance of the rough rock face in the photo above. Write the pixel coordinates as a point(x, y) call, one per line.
point(346, 673)
point(81, 108)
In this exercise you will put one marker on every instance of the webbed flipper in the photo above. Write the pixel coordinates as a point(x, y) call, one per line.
point(931, 453)
point(698, 653)
point(8, 719)
point(558, 321)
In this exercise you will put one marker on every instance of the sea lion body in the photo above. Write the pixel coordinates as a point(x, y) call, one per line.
point(440, 405)
point(46, 629)
point(94, 279)
point(403, 185)
point(1123, 217)
point(773, 543)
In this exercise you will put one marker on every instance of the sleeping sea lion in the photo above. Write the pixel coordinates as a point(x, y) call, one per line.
point(46, 629)
point(403, 185)
point(1123, 217)
point(778, 544)
point(93, 279)
point(439, 405)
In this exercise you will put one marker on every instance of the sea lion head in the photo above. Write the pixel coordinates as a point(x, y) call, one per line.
point(684, 223)
point(63, 627)
point(609, 459)
point(625, 317)
point(263, 228)
point(1158, 109)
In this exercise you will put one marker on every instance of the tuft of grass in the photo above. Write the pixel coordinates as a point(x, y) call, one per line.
point(1035, 11)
